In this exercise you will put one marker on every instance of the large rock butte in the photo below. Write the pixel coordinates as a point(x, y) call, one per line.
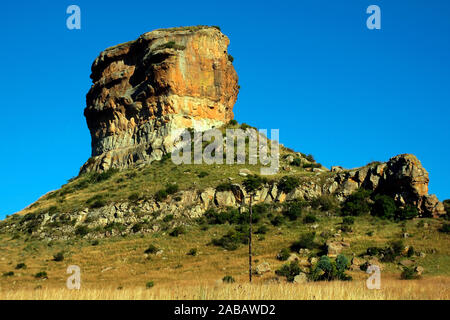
point(146, 90)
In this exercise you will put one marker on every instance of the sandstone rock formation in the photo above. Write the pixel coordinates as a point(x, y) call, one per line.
point(145, 90)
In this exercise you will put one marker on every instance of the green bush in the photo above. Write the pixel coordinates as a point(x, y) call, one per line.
point(152, 249)
point(384, 207)
point(58, 256)
point(192, 252)
point(172, 188)
point(103, 176)
point(253, 183)
point(411, 252)
point(297, 162)
point(310, 158)
point(41, 275)
point(150, 284)
point(228, 279)
point(137, 227)
point(262, 230)
point(133, 197)
point(289, 271)
point(98, 204)
point(277, 221)
point(8, 274)
point(309, 218)
point(81, 231)
point(21, 266)
point(227, 186)
point(284, 254)
point(325, 203)
point(230, 58)
point(177, 231)
point(409, 273)
point(232, 122)
point(231, 240)
point(357, 203)
point(293, 209)
point(406, 213)
point(445, 228)
point(328, 270)
point(348, 220)
point(161, 195)
point(306, 241)
point(203, 174)
point(168, 218)
point(288, 184)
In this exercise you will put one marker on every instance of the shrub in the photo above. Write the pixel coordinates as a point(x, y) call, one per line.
point(161, 195)
point(283, 255)
point(192, 252)
point(357, 203)
point(41, 275)
point(310, 158)
point(224, 187)
point(172, 188)
point(410, 252)
point(134, 196)
point(232, 122)
point(98, 204)
point(228, 279)
point(409, 274)
point(152, 249)
point(328, 270)
point(8, 274)
point(384, 207)
point(58, 256)
point(177, 231)
point(168, 218)
point(445, 228)
point(325, 203)
point(297, 162)
point(253, 183)
point(137, 227)
point(348, 220)
point(373, 251)
point(309, 218)
point(288, 184)
point(150, 284)
point(203, 174)
point(262, 230)
point(81, 231)
point(289, 271)
point(230, 58)
point(95, 242)
point(293, 210)
point(277, 221)
point(397, 246)
point(103, 176)
point(21, 266)
point(306, 241)
point(406, 213)
point(231, 240)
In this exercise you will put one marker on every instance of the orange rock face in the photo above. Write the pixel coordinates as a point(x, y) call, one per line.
point(144, 89)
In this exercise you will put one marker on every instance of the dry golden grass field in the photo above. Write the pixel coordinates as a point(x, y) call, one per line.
point(118, 268)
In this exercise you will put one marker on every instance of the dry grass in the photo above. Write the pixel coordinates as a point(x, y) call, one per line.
point(392, 289)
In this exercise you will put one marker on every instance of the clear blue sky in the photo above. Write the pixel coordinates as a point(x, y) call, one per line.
point(335, 89)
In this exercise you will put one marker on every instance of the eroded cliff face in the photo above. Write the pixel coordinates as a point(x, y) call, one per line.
point(144, 90)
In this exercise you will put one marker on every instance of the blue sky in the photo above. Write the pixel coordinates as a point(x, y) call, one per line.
point(312, 69)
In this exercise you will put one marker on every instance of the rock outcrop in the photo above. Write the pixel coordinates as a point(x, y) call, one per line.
point(145, 91)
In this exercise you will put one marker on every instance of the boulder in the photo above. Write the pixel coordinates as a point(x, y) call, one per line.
point(262, 268)
point(300, 278)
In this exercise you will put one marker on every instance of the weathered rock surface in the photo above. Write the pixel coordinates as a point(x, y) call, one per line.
point(146, 91)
